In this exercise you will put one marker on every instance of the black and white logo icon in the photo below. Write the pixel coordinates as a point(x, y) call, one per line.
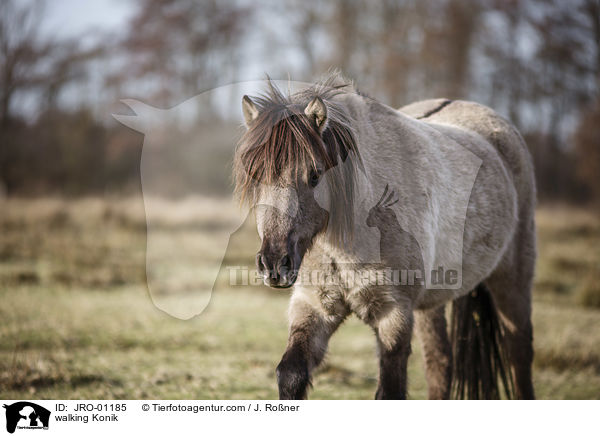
point(26, 415)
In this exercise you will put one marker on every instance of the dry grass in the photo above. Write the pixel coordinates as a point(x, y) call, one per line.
point(77, 321)
point(588, 293)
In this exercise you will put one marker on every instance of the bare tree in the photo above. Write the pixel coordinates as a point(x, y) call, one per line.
point(21, 50)
point(30, 63)
point(177, 48)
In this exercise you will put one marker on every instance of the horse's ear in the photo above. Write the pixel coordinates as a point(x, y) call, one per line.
point(317, 111)
point(249, 110)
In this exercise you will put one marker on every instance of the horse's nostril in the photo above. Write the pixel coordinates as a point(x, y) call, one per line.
point(275, 273)
point(285, 261)
point(261, 265)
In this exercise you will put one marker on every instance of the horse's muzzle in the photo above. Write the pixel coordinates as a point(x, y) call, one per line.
point(277, 271)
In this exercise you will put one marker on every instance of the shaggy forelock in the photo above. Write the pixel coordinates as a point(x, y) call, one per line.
point(283, 137)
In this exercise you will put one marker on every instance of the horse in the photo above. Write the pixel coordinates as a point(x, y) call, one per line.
point(343, 165)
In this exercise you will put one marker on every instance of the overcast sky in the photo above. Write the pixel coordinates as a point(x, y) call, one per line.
point(75, 17)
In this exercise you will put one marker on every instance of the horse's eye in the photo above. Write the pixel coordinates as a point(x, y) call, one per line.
point(314, 178)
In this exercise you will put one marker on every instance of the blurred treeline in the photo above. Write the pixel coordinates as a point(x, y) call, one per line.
point(536, 61)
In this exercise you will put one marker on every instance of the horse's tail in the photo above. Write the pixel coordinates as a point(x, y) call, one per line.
point(478, 350)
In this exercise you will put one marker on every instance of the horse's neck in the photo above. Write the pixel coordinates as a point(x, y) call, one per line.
point(381, 128)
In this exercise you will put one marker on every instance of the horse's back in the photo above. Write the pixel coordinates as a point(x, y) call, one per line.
point(499, 132)
point(424, 108)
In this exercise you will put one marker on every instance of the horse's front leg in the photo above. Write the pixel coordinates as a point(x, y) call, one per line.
point(311, 326)
point(394, 331)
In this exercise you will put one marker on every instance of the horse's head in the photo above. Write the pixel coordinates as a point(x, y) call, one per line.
point(288, 149)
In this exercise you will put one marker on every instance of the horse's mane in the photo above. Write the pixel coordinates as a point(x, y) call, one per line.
point(282, 137)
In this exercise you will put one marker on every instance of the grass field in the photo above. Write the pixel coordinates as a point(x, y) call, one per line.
point(76, 320)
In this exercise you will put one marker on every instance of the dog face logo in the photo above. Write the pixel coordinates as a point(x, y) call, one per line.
point(26, 415)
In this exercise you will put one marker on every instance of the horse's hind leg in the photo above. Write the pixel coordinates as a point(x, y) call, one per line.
point(437, 353)
point(511, 286)
point(310, 329)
